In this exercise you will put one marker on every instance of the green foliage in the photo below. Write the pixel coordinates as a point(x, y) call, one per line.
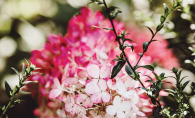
point(26, 72)
point(117, 68)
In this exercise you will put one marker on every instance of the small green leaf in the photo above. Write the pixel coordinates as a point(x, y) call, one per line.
point(183, 78)
point(150, 78)
point(150, 30)
point(113, 15)
point(185, 84)
point(145, 46)
point(157, 78)
point(174, 69)
point(150, 81)
point(166, 9)
point(8, 89)
point(117, 68)
point(3, 108)
point(162, 19)
point(16, 71)
point(149, 67)
point(140, 54)
point(129, 70)
point(23, 69)
point(159, 27)
point(128, 45)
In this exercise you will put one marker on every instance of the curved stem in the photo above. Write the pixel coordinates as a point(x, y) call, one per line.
point(120, 45)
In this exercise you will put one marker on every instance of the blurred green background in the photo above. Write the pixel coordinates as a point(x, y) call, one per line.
point(25, 24)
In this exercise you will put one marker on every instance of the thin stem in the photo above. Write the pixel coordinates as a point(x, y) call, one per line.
point(114, 30)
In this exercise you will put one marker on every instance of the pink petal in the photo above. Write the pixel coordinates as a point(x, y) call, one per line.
point(163, 93)
point(81, 97)
point(92, 88)
point(111, 110)
point(88, 103)
point(105, 97)
point(140, 113)
point(120, 114)
point(93, 70)
point(96, 98)
point(135, 108)
point(56, 83)
point(69, 107)
point(105, 71)
point(54, 93)
point(71, 81)
point(102, 84)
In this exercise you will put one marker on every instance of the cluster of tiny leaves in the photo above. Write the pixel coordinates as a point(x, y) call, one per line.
point(26, 72)
point(179, 97)
point(156, 86)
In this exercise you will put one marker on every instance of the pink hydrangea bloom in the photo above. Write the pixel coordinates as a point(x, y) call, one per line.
point(76, 70)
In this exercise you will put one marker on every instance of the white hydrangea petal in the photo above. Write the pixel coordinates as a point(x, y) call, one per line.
point(93, 70)
point(102, 84)
point(111, 110)
point(120, 114)
point(117, 101)
point(125, 106)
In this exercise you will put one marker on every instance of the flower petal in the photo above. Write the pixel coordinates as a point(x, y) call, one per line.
point(111, 110)
point(105, 97)
point(120, 86)
point(96, 98)
point(81, 97)
point(56, 83)
point(102, 84)
point(88, 103)
point(92, 88)
point(129, 94)
point(120, 114)
point(105, 71)
point(140, 113)
point(125, 106)
point(117, 101)
point(54, 93)
point(93, 70)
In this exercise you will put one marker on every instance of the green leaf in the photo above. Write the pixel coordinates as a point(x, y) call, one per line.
point(183, 78)
point(166, 9)
point(159, 27)
point(140, 54)
point(113, 15)
point(170, 90)
point(23, 69)
point(117, 68)
point(145, 46)
point(149, 67)
point(185, 84)
point(8, 89)
point(16, 71)
point(150, 30)
point(175, 70)
point(152, 81)
point(128, 45)
point(150, 78)
point(162, 19)
point(129, 70)
point(156, 76)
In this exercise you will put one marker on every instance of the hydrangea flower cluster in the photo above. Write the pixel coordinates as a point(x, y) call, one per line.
point(76, 70)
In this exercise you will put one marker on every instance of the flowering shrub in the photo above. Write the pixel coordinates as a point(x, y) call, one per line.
point(76, 71)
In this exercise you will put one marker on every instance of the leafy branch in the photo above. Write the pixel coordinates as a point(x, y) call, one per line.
point(26, 72)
